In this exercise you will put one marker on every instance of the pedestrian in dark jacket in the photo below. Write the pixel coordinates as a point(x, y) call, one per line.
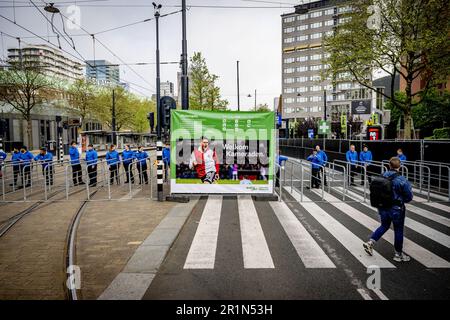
point(352, 159)
point(91, 159)
point(142, 157)
point(365, 158)
point(316, 162)
point(402, 193)
point(127, 157)
point(323, 162)
point(77, 173)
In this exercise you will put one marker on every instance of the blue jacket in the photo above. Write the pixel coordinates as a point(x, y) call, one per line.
point(365, 157)
point(112, 157)
point(15, 158)
point(74, 155)
point(91, 157)
point(26, 157)
point(281, 159)
point(352, 157)
point(166, 155)
point(46, 159)
point(402, 188)
point(402, 157)
point(323, 157)
point(315, 160)
point(141, 157)
point(128, 156)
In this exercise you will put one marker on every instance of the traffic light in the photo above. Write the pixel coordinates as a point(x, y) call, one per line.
point(151, 118)
point(167, 104)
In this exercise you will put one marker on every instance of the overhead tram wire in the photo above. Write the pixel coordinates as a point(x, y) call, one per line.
point(171, 6)
point(63, 50)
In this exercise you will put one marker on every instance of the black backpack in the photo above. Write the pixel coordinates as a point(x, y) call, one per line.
point(382, 192)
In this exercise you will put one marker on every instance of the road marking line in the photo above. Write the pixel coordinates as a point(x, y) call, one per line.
point(349, 240)
point(364, 294)
point(254, 246)
point(420, 254)
point(380, 294)
point(424, 213)
point(307, 248)
point(202, 253)
point(436, 205)
point(426, 231)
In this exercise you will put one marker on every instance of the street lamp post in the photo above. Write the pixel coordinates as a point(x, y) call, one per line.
point(184, 62)
point(160, 169)
point(238, 97)
point(113, 120)
point(325, 105)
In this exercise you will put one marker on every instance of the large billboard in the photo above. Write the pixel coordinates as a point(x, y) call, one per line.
point(222, 152)
point(361, 107)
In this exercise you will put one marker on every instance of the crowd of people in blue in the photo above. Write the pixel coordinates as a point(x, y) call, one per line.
point(22, 160)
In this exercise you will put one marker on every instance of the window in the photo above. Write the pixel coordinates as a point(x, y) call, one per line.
point(302, 59)
point(316, 67)
point(316, 35)
point(329, 12)
point(302, 79)
point(302, 99)
point(344, 85)
point(316, 25)
point(327, 55)
point(329, 23)
point(316, 57)
point(315, 88)
point(302, 69)
point(289, 60)
point(289, 70)
point(316, 14)
point(315, 98)
point(303, 27)
point(314, 109)
point(345, 9)
point(289, 100)
point(302, 89)
point(289, 40)
point(302, 38)
point(289, 80)
point(289, 90)
point(315, 78)
point(328, 33)
point(302, 17)
point(289, 19)
point(344, 20)
point(289, 30)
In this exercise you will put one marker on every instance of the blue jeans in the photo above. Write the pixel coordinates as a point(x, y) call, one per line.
point(396, 216)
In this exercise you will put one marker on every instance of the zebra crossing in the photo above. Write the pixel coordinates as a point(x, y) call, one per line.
point(255, 248)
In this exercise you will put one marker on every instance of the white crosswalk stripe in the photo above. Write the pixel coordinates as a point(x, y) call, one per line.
point(436, 205)
point(307, 249)
point(422, 255)
point(202, 252)
point(422, 212)
point(254, 246)
point(428, 232)
point(349, 240)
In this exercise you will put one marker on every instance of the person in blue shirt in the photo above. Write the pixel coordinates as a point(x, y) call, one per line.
point(316, 163)
point(45, 158)
point(91, 159)
point(127, 157)
point(402, 193)
point(280, 160)
point(365, 158)
point(77, 174)
point(3, 156)
point(142, 157)
point(324, 159)
point(25, 159)
point(401, 155)
point(15, 160)
point(166, 160)
point(352, 159)
point(113, 160)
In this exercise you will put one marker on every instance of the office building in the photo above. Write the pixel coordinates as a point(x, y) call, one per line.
point(303, 90)
point(51, 61)
point(102, 71)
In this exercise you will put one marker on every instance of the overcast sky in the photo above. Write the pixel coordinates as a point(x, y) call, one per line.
point(223, 35)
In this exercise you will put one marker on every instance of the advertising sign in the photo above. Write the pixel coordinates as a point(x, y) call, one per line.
point(374, 132)
point(222, 152)
point(361, 106)
point(311, 133)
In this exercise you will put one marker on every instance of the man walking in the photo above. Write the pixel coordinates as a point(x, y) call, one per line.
point(91, 163)
point(365, 157)
point(352, 158)
point(395, 214)
point(323, 162)
point(77, 174)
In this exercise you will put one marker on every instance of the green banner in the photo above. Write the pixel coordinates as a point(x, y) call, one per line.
point(222, 152)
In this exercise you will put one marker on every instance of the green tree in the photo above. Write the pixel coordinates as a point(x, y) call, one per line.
point(82, 94)
point(401, 37)
point(263, 108)
point(24, 87)
point(204, 94)
point(140, 121)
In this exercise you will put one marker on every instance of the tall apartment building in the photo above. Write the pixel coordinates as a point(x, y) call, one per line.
point(102, 71)
point(50, 60)
point(304, 92)
point(167, 89)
